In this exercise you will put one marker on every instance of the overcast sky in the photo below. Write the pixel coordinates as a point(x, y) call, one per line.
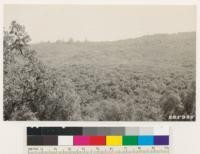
point(99, 23)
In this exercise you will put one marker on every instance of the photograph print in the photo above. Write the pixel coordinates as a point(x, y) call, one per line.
point(99, 62)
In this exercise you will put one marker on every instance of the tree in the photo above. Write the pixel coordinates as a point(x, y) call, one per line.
point(171, 104)
point(32, 91)
point(71, 40)
point(189, 100)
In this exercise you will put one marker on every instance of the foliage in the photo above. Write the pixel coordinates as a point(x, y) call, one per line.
point(120, 93)
point(31, 90)
point(145, 79)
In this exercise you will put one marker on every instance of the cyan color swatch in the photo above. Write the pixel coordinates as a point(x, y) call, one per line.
point(145, 140)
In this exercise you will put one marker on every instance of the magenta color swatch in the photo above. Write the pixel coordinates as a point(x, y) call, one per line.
point(81, 140)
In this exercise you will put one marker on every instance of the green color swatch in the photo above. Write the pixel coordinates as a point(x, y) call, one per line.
point(130, 140)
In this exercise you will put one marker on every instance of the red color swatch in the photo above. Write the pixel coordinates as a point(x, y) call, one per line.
point(97, 140)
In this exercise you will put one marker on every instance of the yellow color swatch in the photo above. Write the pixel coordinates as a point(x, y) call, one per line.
point(114, 140)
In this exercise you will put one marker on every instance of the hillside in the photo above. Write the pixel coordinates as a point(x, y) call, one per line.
point(160, 50)
point(150, 78)
point(133, 79)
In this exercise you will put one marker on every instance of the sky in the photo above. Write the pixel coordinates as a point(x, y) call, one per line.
point(99, 22)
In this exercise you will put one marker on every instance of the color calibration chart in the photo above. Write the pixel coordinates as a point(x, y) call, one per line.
point(98, 140)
